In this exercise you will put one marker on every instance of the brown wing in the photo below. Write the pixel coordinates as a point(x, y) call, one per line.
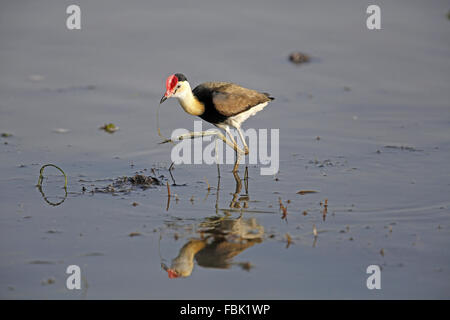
point(230, 99)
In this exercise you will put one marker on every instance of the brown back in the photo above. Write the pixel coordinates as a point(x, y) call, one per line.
point(229, 99)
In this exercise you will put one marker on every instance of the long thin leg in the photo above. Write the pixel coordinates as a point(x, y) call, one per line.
point(238, 153)
point(217, 194)
point(236, 164)
point(243, 140)
point(232, 144)
point(217, 158)
point(246, 179)
point(227, 130)
point(192, 135)
point(237, 149)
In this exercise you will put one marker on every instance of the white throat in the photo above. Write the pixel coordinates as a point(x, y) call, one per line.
point(188, 101)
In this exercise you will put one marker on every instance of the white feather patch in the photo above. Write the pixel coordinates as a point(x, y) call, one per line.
point(237, 120)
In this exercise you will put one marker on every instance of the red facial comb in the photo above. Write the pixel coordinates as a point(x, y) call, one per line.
point(171, 82)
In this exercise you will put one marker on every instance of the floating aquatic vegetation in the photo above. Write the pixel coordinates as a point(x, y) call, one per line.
point(109, 127)
point(303, 192)
point(288, 240)
point(41, 262)
point(246, 266)
point(48, 281)
point(135, 234)
point(126, 184)
point(143, 181)
point(283, 209)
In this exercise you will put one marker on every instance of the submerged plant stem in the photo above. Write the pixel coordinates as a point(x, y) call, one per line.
point(39, 184)
point(41, 174)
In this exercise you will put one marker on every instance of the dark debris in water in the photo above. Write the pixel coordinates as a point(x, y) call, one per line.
point(41, 262)
point(406, 148)
point(299, 57)
point(127, 184)
point(303, 192)
point(53, 231)
point(143, 181)
point(93, 254)
point(48, 281)
point(327, 163)
point(135, 234)
point(247, 266)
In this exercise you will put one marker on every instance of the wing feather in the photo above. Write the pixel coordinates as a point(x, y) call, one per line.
point(230, 99)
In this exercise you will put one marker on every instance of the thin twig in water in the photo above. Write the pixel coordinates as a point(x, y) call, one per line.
point(284, 209)
point(325, 210)
point(168, 196)
point(315, 235)
point(170, 171)
point(209, 190)
point(288, 240)
point(168, 189)
point(159, 130)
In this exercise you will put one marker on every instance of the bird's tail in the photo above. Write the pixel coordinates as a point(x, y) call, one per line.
point(268, 96)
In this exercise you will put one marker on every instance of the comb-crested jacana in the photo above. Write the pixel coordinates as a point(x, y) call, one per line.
point(223, 104)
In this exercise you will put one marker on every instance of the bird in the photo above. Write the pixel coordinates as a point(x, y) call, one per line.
point(218, 247)
point(223, 104)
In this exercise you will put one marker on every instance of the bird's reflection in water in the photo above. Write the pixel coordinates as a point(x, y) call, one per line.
point(221, 238)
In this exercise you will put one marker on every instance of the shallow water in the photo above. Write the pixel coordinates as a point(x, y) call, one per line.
point(366, 94)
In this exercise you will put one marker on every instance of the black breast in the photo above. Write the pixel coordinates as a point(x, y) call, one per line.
point(210, 115)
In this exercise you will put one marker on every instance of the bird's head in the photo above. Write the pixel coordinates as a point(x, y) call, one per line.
point(176, 86)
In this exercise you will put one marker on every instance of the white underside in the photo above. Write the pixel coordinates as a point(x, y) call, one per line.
point(237, 120)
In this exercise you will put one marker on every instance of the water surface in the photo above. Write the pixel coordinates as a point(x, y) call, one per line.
point(377, 100)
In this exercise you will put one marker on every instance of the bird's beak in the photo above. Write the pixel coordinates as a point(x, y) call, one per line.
point(166, 95)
